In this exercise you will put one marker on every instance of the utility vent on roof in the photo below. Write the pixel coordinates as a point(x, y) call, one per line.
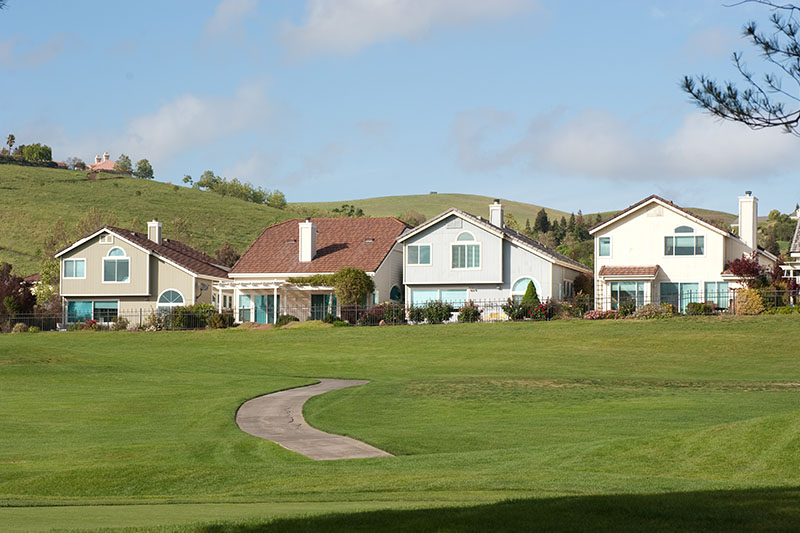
point(291, 241)
point(369, 240)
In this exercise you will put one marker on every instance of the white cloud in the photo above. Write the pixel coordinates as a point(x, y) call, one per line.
point(600, 145)
point(346, 26)
point(228, 15)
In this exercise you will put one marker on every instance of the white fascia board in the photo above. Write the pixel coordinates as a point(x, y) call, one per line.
point(452, 211)
point(95, 234)
point(538, 253)
point(663, 204)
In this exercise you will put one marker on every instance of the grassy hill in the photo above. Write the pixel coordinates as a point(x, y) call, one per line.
point(32, 200)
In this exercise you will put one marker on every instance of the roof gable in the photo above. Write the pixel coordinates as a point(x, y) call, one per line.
point(341, 242)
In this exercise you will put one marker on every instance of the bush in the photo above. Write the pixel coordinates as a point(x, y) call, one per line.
point(469, 312)
point(526, 311)
point(783, 310)
point(19, 327)
point(749, 302)
point(330, 318)
point(188, 316)
point(438, 312)
point(653, 311)
point(340, 324)
point(75, 326)
point(416, 314)
point(153, 322)
point(596, 314)
point(285, 319)
point(530, 299)
point(34, 329)
point(119, 323)
point(219, 321)
point(699, 308)
point(90, 325)
point(627, 308)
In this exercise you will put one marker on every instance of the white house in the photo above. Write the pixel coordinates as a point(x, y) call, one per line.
point(457, 257)
point(655, 251)
point(792, 267)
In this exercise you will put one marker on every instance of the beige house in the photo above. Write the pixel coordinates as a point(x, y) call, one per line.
point(655, 251)
point(116, 271)
point(259, 288)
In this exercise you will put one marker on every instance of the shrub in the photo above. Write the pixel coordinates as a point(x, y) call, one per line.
point(219, 321)
point(438, 312)
point(75, 326)
point(653, 311)
point(783, 310)
point(627, 308)
point(525, 311)
point(188, 316)
point(119, 323)
point(469, 312)
point(416, 314)
point(371, 317)
point(596, 314)
point(699, 308)
point(340, 324)
point(90, 325)
point(34, 329)
point(285, 319)
point(530, 298)
point(330, 318)
point(19, 327)
point(394, 313)
point(749, 302)
point(153, 322)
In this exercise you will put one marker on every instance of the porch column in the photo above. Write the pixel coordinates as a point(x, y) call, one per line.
point(236, 303)
point(275, 305)
point(219, 298)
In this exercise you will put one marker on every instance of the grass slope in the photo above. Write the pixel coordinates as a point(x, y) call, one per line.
point(32, 199)
point(567, 418)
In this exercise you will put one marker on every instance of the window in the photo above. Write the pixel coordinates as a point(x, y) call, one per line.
point(519, 288)
point(79, 311)
point(107, 239)
point(567, 289)
point(116, 267)
point(245, 303)
point(604, 246)
point(684, 244)
point(717, 292)
point(455, 297)
point(419, 254)
point(680, 294)
point(75, 268)
point(105, 311)
point(623, 292)
point(423, 296)
point(170, 298)
point(395, 295)
point(466, 255)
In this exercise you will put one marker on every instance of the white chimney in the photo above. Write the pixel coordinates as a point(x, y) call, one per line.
point(106, 157)
point(748, 219)
point(154, 231)
point(97, 159)
point(307, 241)
point(496, 214)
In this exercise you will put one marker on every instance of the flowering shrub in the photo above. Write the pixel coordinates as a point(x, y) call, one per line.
point(416, 314)
point(438, 312)
point(19, 327)
point(654, 311)
point(469, 312)
point(749, 302)
point(596, 314)
point(90, 325)
point(525, 311)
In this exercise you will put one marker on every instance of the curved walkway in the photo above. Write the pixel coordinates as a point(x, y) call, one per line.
point(279, 417)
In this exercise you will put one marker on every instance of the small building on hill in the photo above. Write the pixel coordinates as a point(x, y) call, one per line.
point(104, 164)
point(259, 289)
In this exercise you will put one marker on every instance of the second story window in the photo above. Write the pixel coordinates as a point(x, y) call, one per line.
point(418, 254)
point(116, 267)
point(466, 252)
point(684, 242)
point(604, 246)
point(74, 268)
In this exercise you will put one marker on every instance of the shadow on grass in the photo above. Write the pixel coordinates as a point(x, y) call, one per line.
point(735, 510)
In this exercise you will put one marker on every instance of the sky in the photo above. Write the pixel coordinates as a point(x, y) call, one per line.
point(571, 105)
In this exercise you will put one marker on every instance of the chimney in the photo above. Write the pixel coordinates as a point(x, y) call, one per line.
point(748, 219)
point(307, 241)
point(154, 231)
point(106, 157)
point(97, 159)
point(496, 214)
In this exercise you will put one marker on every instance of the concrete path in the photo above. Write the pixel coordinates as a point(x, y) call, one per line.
point(279, 417)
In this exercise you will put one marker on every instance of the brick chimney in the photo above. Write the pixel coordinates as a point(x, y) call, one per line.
point(307, 241)
point(748, 219)
point(154, 231)
point(496, 214)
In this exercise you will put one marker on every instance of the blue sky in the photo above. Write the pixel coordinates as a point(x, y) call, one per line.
point(573, 105)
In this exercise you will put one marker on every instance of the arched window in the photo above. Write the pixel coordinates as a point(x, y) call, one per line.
point(394, 294)
point(116, 252)
point(465, 253)
point(116, 266)
point(465, 236)
point(170, 298)
point(521, 285)
point(684, 229)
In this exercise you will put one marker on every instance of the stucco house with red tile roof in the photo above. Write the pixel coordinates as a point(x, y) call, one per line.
point(118, 272)
point(102, 165)
point(259, 290)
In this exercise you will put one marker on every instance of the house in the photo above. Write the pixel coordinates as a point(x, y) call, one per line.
point(259, 287)
point(102, 165)
point(791, 270)
point(655, 251)
point(457, 257)
point(116, 271)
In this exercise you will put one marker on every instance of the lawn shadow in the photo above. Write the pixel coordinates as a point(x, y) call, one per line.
point(772, 509)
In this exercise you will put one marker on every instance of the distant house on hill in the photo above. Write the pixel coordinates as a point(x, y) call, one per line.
point(104, 164)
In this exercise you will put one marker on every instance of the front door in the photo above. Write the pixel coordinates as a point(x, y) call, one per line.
point(261, 308)
point(272, 302)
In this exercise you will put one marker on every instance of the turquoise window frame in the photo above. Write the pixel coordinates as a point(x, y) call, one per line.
point(717, 292)
point(79, 310)
point(245, 305)
point(105, 311)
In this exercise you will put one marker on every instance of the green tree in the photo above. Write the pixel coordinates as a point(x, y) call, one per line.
point(37, 152)
point(10, 140)
point(542, 223)
point(143, 170)
point(187, 179)
point(350, 284)
point(766, 101)
point(277, 199)
point(227, 255)
point(123, 164)
point(530, 299)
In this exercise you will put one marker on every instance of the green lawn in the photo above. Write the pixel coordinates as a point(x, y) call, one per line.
point(582, 423)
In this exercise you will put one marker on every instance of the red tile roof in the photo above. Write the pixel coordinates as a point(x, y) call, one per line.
point(341, 242)
point(107, 165)
point(607, 271)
